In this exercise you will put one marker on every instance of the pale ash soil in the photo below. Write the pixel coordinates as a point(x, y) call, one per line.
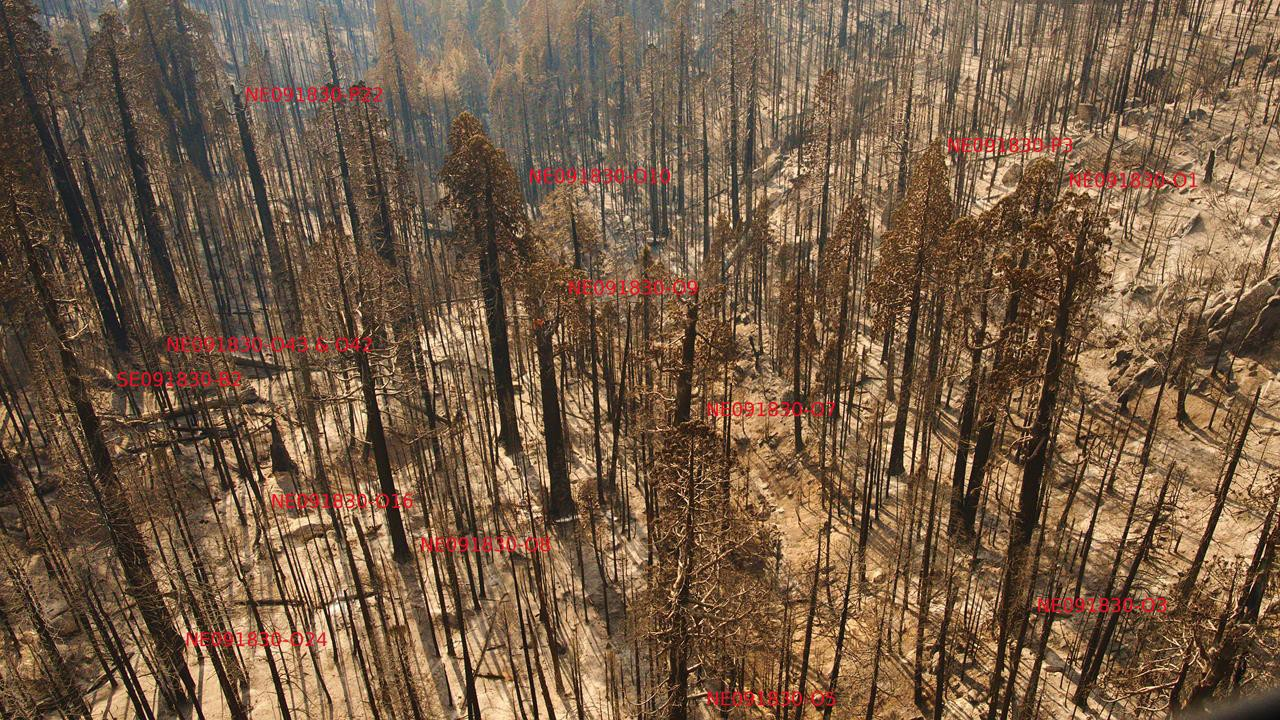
point(778, 477)
point(1234, 225)
point(792, 485)
point(1234, 220)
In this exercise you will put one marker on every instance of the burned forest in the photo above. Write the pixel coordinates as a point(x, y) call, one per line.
point(639, 359)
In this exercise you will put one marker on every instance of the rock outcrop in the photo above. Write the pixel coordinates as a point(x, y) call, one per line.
point(1264, 333)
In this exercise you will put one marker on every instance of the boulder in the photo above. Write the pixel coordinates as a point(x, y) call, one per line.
point(1130, 379)
point(1265, 330)
point(1140, 291)
point(789, 396)
point(1136, 116)
point(1155, 75)
point(305, 531)
point(1012, 175)
point(1194, 225)
point(64, 624)
point(1238, 315)
point(1254, 299)
point(1215, 312)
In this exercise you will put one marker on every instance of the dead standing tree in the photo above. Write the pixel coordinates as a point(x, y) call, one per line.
point(29, 54)
point(1071, 238)
point(108, 492)
point(542, 279)
point(109, 68)
point(711, 569)
point(1020, 277)
point(485, 199)
point(913, 256)
point(1219, 501)
point(1239, 631)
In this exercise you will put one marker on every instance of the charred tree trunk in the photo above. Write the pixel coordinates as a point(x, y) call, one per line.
point(495, 310)
point(78, 222)
point(561, 498)
point(173, 678)
point(898, 447)
point(143, 196)
point(1219, 502)
point(684, 378)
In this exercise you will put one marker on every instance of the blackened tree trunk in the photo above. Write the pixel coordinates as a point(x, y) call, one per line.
point(875, 677)
point(707, 200)
point(262, 204)
point(678, 651)
point(172, 676)
point(495, 312)
point(344, 167)
point(964, 438)
point(987, 427)
point(1107, 627)
point(485, 197)
point(1039, 440)
point(1220, 501)
point(381, 233)
point(749, 149)
point(797, 336)
point(70, 701)
point(840, 635)
point(898, 448)
point(375, 431)
point(382, 459)
point(1228, 659)
point(73, 205)
point(561, 498)
point(844, 23)
point(733, 126)
point(143, 196)
point(186, 92)
point(684, 379)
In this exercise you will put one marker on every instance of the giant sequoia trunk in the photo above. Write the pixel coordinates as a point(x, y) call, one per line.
point(684, 378)
point(495, 315)
point(985, 439)
point(1039, 439)
point(958, 521)
point(898, 448)
point(561, 499)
